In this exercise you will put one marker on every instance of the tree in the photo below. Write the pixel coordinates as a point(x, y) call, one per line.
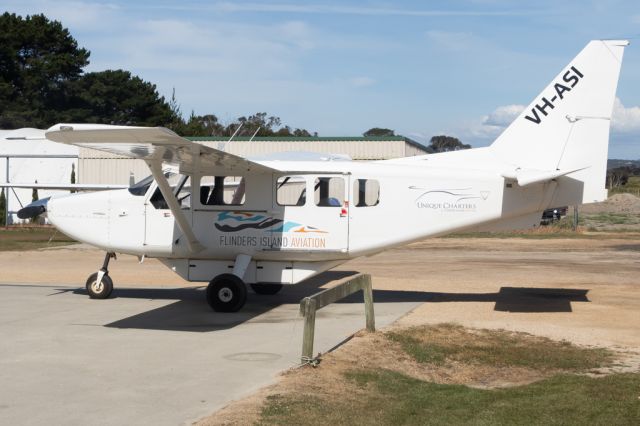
point(259, 124)
point(617, 177)
point(34, 193)
point(34, 197)
point(73, 176)
point(444, 143)
point(116, 97)
point(3, 207)
point(38, 58)
point(200, 125)
point(377, 132)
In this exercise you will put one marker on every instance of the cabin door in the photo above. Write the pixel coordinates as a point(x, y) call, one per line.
point(315, 212)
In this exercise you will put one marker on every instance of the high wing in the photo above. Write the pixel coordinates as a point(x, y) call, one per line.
point(157, 145)
point(154, 145)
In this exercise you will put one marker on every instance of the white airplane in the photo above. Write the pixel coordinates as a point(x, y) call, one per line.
point(230, 221)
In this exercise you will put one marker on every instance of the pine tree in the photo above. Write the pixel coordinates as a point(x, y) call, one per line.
point(73, 175)
point(34, 197)
point(3, 208)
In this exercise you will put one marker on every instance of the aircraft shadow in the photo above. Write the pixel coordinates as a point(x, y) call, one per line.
point(190, 312)
point(508, 299)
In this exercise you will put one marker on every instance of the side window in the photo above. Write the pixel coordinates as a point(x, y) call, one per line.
point(222, 190)
point(366, 192)
point(328, 191)
point(181, 187)
point(291, 191)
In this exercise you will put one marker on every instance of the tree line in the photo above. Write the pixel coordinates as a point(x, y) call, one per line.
point(42, 82)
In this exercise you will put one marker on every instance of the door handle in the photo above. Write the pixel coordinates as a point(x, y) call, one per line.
point(122, 213)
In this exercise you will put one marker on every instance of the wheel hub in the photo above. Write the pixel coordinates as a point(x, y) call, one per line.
point(225, 294)
point(97, 286)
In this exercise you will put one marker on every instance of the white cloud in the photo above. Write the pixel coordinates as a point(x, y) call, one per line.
point(483, 130)
point(625, 123)
point(625, 120)
point(503, 115)
point(77, 15)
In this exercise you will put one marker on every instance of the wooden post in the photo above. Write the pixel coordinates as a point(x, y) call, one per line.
point(368, 303)
point(309, 306)
point(309, 329)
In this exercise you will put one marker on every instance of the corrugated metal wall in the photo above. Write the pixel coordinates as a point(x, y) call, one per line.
point(110, 170)
point(101, 167)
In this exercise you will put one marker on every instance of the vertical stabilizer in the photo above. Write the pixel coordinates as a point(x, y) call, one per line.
point(566, 127)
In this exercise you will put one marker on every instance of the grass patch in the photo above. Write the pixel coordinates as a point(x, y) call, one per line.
point(611, 218)
point(378, 396)
point(31, 238)
point(632, 187)
point(399, 400)
point(450, 342)
point(384, 397)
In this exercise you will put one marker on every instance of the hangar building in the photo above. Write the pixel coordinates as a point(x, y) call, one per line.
point(104, 168)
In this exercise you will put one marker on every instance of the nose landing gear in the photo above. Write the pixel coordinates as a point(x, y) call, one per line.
point(99, 284)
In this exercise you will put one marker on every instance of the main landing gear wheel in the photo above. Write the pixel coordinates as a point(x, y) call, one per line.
point(266, 289)
point(99, 290)
point(226, 293)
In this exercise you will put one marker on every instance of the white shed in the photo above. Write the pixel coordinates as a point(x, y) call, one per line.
point(26, 156)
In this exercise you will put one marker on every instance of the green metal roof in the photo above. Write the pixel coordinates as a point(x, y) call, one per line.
point(296, 139)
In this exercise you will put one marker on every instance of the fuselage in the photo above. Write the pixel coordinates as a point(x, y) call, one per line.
point(318, 211)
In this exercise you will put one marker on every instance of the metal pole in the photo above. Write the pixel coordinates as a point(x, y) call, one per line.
point(6, 198)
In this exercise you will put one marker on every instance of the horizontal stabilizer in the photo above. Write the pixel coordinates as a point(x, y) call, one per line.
point(530, 177)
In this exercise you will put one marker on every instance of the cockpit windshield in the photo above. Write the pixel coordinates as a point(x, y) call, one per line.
point(141, 188)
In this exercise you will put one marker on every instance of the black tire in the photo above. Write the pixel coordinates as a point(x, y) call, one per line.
point(266, 289)
point(226, 293)
point(99, 291)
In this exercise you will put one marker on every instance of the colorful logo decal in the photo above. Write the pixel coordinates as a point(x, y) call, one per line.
point(238, 221)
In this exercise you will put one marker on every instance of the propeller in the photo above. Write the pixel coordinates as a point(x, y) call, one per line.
point(34, 209)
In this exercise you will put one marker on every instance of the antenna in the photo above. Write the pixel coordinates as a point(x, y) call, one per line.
point(222, 145)
point(255, 133)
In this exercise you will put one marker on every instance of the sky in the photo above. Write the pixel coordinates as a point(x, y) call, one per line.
point(464, 68)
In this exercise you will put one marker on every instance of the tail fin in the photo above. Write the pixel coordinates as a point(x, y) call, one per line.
point(566, 128)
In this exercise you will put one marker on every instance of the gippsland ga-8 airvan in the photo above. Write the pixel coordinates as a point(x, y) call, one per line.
point(215, 217)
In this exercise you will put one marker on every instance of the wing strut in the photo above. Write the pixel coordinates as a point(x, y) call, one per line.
point(172, 202)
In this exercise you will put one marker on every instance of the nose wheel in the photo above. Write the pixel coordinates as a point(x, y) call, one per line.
point(226, 293)
point(99, 284)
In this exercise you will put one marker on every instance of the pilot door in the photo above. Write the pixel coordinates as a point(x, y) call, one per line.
point(315, 212)
point(161, 230)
